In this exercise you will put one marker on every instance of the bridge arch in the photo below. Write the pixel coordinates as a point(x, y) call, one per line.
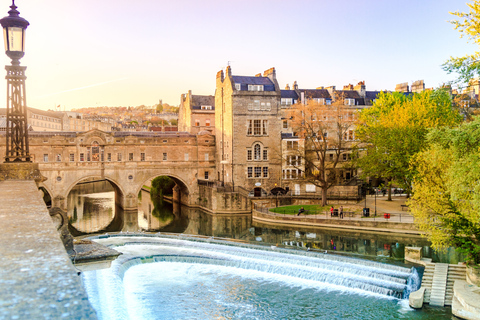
point(76, 204)
point(182, 191)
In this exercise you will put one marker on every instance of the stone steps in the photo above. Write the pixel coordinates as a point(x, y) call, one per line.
point(438, 280)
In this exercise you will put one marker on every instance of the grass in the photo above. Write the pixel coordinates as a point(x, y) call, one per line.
point(312, 208)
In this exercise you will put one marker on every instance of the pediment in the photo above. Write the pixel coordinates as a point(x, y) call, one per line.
point(101, 137)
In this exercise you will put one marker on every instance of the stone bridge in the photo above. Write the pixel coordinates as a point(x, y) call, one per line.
point(128, 160)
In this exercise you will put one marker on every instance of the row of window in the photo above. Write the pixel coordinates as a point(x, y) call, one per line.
point(100, 157)
point(291, 173)
point(259, 105)
point(36, 116)
point(257, 172)
point(287, 101)
point(46, 125)
point(257, 127)
point(251, 87)
point(207, 123)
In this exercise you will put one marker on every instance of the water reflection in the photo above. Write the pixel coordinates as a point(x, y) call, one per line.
point(91, 206)
point(95, 212)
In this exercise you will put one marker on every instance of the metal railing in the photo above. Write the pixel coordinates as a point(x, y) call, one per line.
point(348, 215)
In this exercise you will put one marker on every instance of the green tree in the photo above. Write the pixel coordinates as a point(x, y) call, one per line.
point(161, 186)
point(468, 24)
point(446, 200)
point(159, 108)
point(393, 130)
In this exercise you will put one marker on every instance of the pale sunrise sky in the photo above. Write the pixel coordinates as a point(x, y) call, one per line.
point(128, 53)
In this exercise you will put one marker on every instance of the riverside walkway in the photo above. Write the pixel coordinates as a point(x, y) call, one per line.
point(397, 219)
point(37, 278)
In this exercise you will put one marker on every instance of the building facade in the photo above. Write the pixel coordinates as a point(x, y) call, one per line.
point(196, 113)
point(248, 130)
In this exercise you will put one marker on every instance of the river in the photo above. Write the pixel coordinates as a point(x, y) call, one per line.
point(91, 209)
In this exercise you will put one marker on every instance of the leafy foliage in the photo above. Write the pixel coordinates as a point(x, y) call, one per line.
point(446, 202)
point(468, 25)
point(394, 129)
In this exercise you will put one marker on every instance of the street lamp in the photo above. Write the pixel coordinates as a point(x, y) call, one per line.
point(276, 196)
point(17, 128)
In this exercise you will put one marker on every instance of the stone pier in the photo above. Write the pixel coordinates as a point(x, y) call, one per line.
point(37, 279)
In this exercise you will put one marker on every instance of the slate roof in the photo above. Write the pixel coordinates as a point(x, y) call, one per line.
point(370, 96)
point(289, 94)
point(203, 101)
point(316, 93)
point(245, 81)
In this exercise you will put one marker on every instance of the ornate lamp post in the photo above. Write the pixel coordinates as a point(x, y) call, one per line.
point(17, 129)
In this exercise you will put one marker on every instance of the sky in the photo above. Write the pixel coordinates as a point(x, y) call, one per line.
point(129, 53)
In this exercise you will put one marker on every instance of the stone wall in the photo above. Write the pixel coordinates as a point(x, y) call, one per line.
point(214, 200)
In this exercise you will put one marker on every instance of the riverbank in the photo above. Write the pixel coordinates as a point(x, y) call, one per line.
point(390, 217)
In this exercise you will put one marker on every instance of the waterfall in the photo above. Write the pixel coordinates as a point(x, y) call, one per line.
point(345, 273)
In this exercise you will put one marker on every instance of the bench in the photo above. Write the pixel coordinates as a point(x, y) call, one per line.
point(305, 212)
point(404, 207)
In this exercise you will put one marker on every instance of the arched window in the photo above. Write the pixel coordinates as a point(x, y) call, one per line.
point(257, 150)
point(95, 151)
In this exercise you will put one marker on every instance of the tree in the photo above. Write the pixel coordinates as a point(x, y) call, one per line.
point(159, 108)
point(324, 131)
point(446, 200)
point(468, 25)
point(393, 130)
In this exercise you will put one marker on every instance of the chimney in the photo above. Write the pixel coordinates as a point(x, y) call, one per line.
point(220, 75)
point(402, 87)
point(360, 88)
point(348, 87)
point(270, 73)
point(295, 85)
point(320, 88)
point(418, 86)
point(258, 75)
point(287, 87)
point(228, 71)
point(330, 90)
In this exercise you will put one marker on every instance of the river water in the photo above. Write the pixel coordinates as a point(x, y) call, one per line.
point(217, 282)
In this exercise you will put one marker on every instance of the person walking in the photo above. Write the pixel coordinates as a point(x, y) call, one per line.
point(341, 212)
point(331, 212)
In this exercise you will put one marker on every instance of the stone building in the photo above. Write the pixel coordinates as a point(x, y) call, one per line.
point(41, 120)
point(79, 123)
point(248, 130)
point(196, 113)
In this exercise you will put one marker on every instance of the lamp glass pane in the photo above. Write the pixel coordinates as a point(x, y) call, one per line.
point(15, 39)
point(5, 38)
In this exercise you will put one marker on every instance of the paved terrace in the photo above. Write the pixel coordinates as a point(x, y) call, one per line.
point(37, 279)
point(399, 221)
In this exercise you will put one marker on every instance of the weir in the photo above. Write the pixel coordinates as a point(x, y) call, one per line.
point(345, 272)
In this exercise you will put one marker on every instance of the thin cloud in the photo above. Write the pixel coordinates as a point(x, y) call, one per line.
point(81, 88)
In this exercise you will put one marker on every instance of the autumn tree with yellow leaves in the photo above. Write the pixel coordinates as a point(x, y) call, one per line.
point(446, 200)
point(394, 129)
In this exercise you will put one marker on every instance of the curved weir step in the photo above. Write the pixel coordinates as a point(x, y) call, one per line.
point(344, 272)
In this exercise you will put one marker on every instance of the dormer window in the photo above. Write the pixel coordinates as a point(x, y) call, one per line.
point(349, 102)
point(238, 86)
point(253, 87)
